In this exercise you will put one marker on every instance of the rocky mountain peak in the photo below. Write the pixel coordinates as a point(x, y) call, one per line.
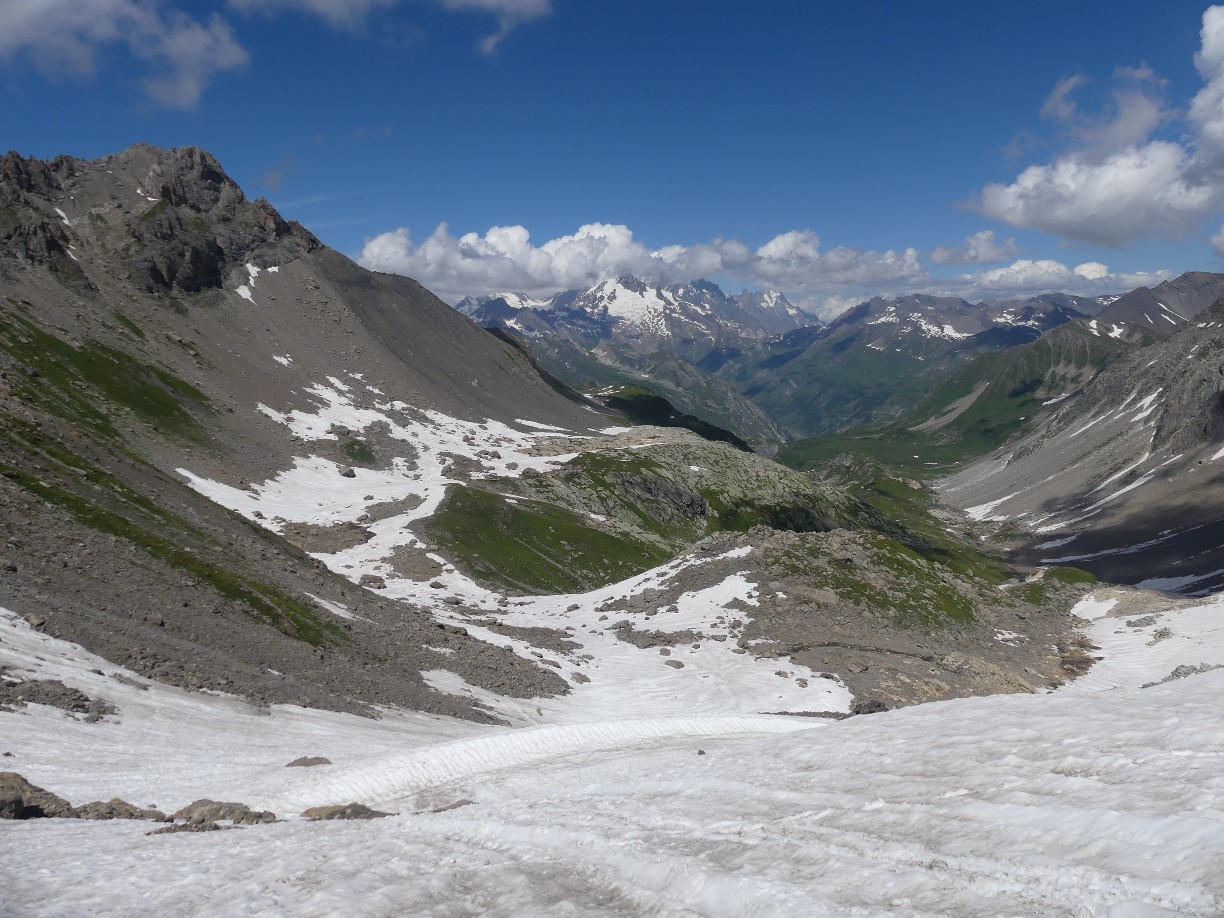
point(190, 220)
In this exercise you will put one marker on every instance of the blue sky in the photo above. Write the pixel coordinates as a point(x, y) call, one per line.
point(832, 151)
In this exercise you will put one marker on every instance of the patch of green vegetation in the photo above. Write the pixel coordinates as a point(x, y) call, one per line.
point(359, 452)
point(159, 207)
point(1037, 592)
point(129, 324)
point(1012, 385)
point(903, 514)
point(896, 580)
point(270, 603)
point(536, 548)
point(68, 380)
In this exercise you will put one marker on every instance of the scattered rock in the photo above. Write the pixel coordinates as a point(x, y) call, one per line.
point(343, 811)
point(674, 664)
point(205, 810)
point(116, 808)
point(373, 581)
point(190, 827)
point(347, 472)
point(868, 706)
point(308, 761)
point(1184, 671)
point(580, 678)
point(19, 799)
point(54, 693)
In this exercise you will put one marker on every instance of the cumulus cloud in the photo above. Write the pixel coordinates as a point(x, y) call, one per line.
point(509, 15)
point(1118, 183)
point(1028, 277)
point(63, 37)
point(504, 259)
point(981, 248)
point(824, 282)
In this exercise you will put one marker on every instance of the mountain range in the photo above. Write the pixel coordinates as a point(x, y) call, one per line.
point(287, 542)
point(873, 362)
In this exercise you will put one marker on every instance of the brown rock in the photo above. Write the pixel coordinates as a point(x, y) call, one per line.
point(205, 810)
point(308, 761)
point(19, 799)
point(343, 811)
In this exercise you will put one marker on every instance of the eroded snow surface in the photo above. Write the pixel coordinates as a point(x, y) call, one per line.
point(1103, 799)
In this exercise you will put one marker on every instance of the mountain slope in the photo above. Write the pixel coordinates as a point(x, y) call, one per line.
point(1167, 307)
point(164, 341)
point(1124, 479)
point(877, 360)
point(983, 404)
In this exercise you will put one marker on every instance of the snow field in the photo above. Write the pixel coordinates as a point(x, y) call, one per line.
point(1098, 800)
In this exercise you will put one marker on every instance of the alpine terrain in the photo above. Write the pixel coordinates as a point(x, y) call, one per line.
point(318, 598)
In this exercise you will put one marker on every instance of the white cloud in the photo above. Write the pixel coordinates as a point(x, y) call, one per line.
point(504, 259)
point(1059, 105)
point(66, 38)
point(1137, 192)
point(193, 53)
point(338, 13)
point(1119, 184)
point(509, 14)
point(1217, 241)
point(62, 37)
point(1026, 277)
point(824, 282)
point(978, 249)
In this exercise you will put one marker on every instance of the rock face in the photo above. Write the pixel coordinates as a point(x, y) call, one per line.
point(627, 331)
point(181, 226)
point(118, 809)
point(54, 693)
point(692, 318)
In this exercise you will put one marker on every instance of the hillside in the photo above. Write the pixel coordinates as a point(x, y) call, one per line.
point(879, 359)
point(1123, 478)
point(391, 475)
point(997, 396)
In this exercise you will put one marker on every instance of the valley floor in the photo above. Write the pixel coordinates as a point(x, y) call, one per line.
point(1103, 798)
